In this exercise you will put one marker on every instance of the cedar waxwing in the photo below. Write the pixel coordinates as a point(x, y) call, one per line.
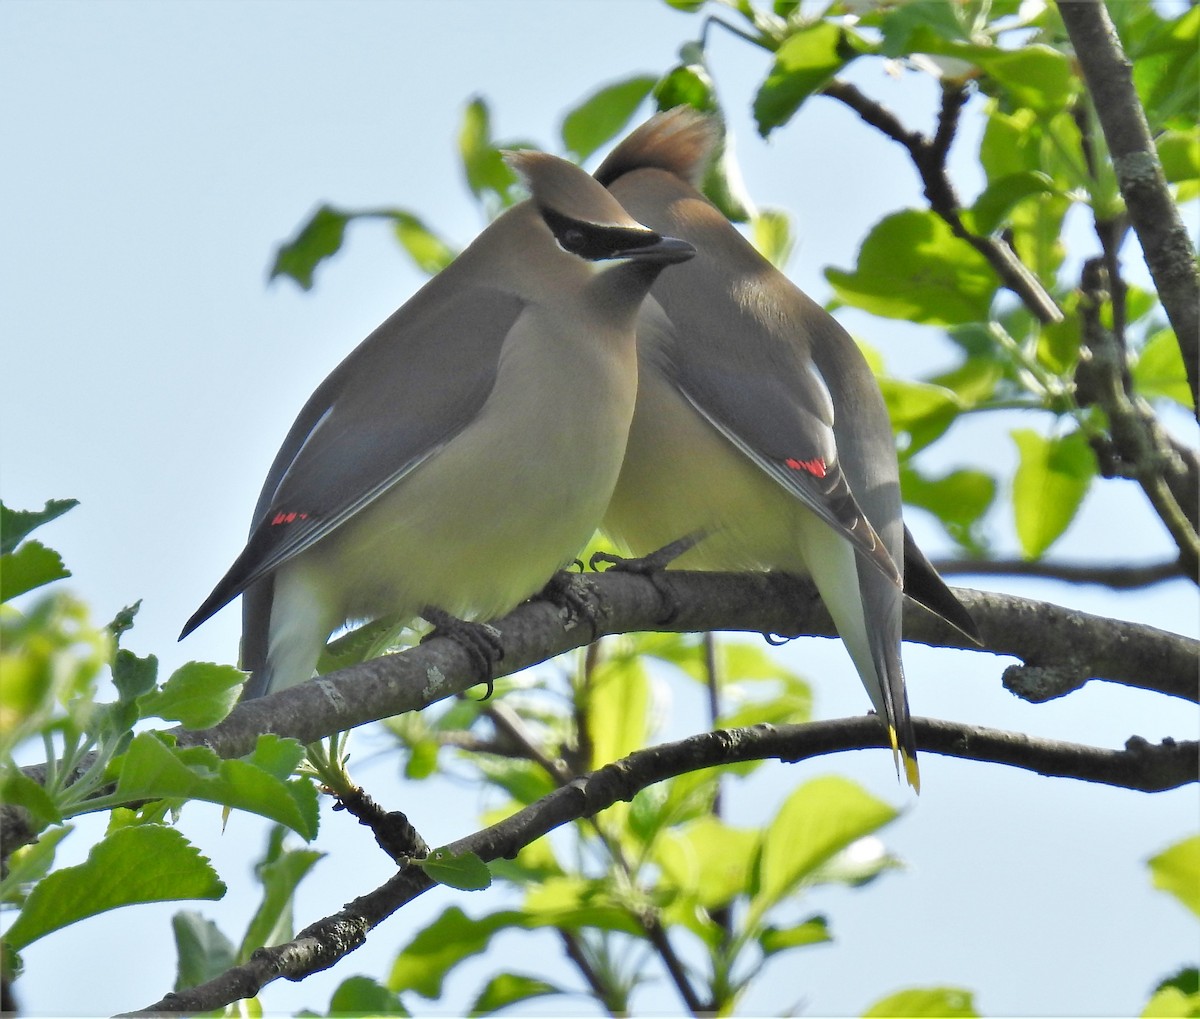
point(760, 426)
point(466, 449)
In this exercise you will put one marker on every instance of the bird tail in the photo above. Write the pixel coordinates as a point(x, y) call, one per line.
point(866, 609)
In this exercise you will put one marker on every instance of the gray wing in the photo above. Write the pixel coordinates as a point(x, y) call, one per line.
point(779, 415)
point(924, 585)
point(401, 395)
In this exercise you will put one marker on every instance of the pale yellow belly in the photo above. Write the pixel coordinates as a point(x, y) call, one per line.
point(681, 476)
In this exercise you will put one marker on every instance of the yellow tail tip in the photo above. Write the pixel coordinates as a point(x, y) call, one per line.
point(912, 773)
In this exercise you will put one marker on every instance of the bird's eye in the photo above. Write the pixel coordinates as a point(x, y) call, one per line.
point(573, 239)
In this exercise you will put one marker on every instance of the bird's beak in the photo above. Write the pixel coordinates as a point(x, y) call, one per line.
point(667, 250)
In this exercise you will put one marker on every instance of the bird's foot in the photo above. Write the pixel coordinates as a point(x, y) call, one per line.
point(651, 567)
point(481, 641)
point(575, 598)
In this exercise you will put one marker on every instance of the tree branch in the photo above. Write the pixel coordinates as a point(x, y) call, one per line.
point(1160, 229)
point(929, 157)
point(1140, 765)
point(1141, 447)
point(1120, 576)
point(1039, 633)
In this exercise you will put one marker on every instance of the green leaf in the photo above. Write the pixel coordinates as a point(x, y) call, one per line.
point(1000, 197)
point(739, 662)
point(818, 820)
point(920, 411)
point(1166, 62)
point(672, 803)
point(1058, 343)
point(1160, 371)
point(1179, 153)
point(439, 947)
point(485, 169)
point(320, 238)
point(791, 705)
point(203, 951)
point(618, 709)
point(922, 27)
point(813, 931)
point(576, 903)
point(1037, 234)
point(1185, 979)
point(958, 499)
point(772, 236)
point(16, 525)
point(123, 621)
point(524, 781)
point(422, 759)
point(467, 873)
point(509, 988)
point(30, 566)
point(1037, 77)
point(280, 873)
point(362, 996)
point(429, 252)
point(934, 1002)
point(20, 790)
point(601, 116)
point(143, 863)
point(724, 187)
point(1172, 1003)
point(276, 755)
point(911, 266)
point(1177, 871)
point(858, 864)
point(151, 770)
point(1009, 144)
point(707, 860)
point(687, 84)
point(974, 381)
point(805, 62)
point(197, 695)
point(1052, 478)
point(132, 675)
point(31, 863)
point(52, 655)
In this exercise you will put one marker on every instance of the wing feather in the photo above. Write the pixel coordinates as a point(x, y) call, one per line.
point(387, 408)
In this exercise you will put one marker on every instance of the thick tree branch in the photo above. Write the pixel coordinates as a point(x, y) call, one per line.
point(1120, 576)
point(1039, 633)
point(1036, 632)
point(1163, 236)
point(929, 157)
point(1140, 448)
point(1139, 766)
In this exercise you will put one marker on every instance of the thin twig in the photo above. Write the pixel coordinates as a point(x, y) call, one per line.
point(601, 991)
point(1119, 576)
point(722, 916)
point(929, 157)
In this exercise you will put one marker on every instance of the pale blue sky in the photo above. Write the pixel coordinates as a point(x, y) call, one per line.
point(155, 155)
